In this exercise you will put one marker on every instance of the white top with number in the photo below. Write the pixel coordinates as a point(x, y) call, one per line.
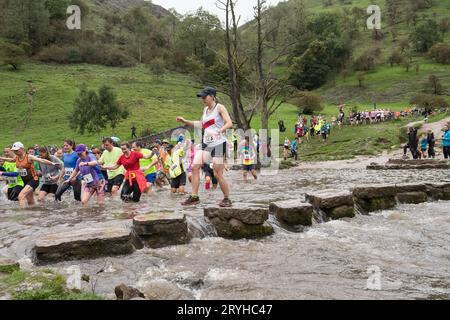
point(212, 123)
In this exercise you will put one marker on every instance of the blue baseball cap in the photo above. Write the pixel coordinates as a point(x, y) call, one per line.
point(207, 91)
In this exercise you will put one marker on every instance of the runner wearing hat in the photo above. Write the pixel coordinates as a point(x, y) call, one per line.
point(27, 171)
point(214, 123)
point(87, 168)
point(14, 183)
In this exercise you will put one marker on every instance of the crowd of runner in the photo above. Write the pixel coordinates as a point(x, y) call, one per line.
point(128, 170)
point(131, 170)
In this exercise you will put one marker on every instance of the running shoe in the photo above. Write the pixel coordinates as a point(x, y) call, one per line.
point(191, 201)
point(226, 203)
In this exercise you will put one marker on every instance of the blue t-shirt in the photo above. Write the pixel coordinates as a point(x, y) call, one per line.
point(424, 143)
point(70, 162)
point(294, 146)
point(446, 140)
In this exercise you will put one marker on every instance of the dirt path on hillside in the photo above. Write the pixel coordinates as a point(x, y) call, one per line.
point(436, 127)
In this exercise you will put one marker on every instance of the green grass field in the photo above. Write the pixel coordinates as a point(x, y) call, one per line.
point(153, 103)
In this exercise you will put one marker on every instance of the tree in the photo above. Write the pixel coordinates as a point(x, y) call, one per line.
point(395, 58)
point(425, 35)
point(435, 83)
point(235, 61)
point(361, 78)
point(444, 25)
point(199, 34)
point(311, 70)
point(407, 64)
point(307, 102)
point(157, 68)
point(267, 86)
point(429, 101)
point(25, 21)
point(57, 8)
point(440, 53)
point(11, 55)
point(139, 22)
point(404, 45)
point(94, 112)
point(365, 62)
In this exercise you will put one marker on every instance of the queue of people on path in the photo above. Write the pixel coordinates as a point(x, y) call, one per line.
point(129, 170)
point(379, 115)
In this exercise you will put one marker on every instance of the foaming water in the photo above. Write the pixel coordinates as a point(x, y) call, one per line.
point(409, 245)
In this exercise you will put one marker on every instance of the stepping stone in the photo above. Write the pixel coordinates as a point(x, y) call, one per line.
point(162, 229)
point(293, 212)
point(239, 222)
point(86, 243)
point(375, 191)
point(243, 213)
point(410, 187)
point(412, 197)
point(328, 199)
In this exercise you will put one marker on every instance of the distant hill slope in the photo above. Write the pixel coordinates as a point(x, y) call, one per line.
point(158, 11)
point(384, 84)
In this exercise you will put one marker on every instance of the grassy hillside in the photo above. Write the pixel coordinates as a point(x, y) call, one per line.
point(384, 84)
point(153, 103)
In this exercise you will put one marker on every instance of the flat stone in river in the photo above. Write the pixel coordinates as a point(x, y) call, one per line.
point(162, 229)
point(328, 199)
point(239, 222)
point(85, 243)
point(246, 214)
point(292, 212)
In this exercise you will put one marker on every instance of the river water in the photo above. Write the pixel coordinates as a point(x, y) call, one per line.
point(401, 254)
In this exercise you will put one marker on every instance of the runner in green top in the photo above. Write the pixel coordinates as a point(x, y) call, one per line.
point(148, 166)
point(176, 170)
point(109, 158)
point(14, 182)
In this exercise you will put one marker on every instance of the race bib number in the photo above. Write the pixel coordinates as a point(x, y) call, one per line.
point(174, 167)
point(68, 172)
point(211, 136)
point(88, 178)
point(11, 180)
point(22, 172)
point(246, 156)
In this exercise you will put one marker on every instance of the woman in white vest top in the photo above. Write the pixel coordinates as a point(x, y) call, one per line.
point(215, 122)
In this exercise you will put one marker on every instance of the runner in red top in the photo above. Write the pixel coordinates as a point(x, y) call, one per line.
point(135, 182)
